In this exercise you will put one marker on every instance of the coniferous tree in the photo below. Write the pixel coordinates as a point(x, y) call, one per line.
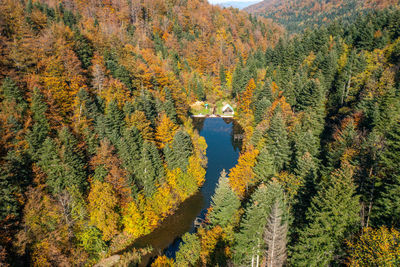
point(114, 122)
point(310, 96)
point(225, 203)
point(264, 168)
point(277, 141)
point(177, 155)
point(63, 163)
point(149, 168)
point(387, 209)
point(275, 235)
point(169, 106)
point(145, 102)
point(41, 127)
point(189, 250)
point(249, 242)
point(334, 213)
point(260, 109)
point(73, 159)
point(237, 79)
point(129, 149)
point(14, 178)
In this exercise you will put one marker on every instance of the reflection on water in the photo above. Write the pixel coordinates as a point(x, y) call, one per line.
point(222, 153)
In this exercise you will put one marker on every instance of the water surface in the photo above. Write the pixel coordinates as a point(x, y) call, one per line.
point(222, 153)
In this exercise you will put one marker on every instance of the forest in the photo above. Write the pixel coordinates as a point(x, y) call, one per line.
point(298, 15)
point(97, 146)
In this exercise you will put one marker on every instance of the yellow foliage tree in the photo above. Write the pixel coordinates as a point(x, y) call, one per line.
point(139, 218)
point(165, 131)
point(163, 261)
point(139, 120)
point(242, 175)
point(290, 183)
point(246, 97)
point(101, 207)
point(196, 171)
point(375, 247)
point(163, 201)
point(209, 239)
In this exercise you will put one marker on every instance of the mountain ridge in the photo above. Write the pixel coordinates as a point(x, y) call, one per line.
point(297, 15)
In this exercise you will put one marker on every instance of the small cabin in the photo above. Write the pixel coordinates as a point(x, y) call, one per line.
point(227, 110)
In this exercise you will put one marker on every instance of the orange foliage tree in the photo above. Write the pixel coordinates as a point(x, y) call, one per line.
point(242, 175)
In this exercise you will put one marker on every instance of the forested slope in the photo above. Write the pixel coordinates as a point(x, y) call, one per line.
point(297, 15)
point(317, 182)
point(96, 147)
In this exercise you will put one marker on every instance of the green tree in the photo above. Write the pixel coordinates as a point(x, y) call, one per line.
point(114, 122)
point(225, 203)
point(278, 142)
point(41, 127)
point(387, 209)
point(333, 215)
point(129, 149)
point(63, 163)
point(177, 155)
point(249, 242)
point(149, 169)
point(189, 250)
point(265, 168)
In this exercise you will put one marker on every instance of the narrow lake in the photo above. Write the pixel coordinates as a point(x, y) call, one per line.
point(222, 152)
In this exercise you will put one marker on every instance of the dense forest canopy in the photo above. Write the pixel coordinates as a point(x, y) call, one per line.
point(298, 15)
point(97, 147)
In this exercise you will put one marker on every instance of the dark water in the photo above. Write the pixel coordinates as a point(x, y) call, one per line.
point(222, 153)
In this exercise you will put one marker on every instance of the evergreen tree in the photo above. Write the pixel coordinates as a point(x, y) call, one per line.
point(387, 208)
point(189, 250)
point(41, 127)
point(310, 96)
point(169, 105)
point(114, 122)
point(145, 102)
point(278, 142)
point(237, 79)
point(333, 215)
point(11, 92)
point(63, 164)
point(14, 178)
point(260, 109)
point(73, 160)
point(83, 49)
point(129, 149)
point(225, 203)
point(149, 168)
point(249, 242)
point(265, 168)
point(177, 155)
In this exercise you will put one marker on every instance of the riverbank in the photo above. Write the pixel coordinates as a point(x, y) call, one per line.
point(222, 153)
point(212, 116)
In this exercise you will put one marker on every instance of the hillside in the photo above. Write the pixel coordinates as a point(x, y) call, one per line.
point(96, 145)
point(297, 14)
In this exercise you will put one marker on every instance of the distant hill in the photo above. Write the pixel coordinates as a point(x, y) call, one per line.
point(238, 4)
point(297, 15)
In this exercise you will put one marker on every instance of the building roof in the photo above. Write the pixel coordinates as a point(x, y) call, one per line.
point(227, 106)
